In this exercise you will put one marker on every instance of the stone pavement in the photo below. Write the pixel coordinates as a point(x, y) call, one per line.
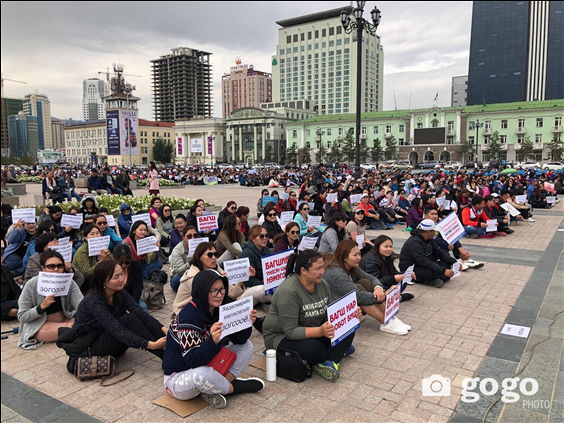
point(455, 334)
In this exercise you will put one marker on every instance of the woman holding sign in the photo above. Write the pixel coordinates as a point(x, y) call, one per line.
point(165, 224)
point(18, 241)
point(297, 318)
point(179, 259)
point(230, 240)
point(41, 316)
point(271, 224)
point(334, 234)
point(302, 218)
point(287, 239)
point(357, 227)
point(155, 212)
point(139, 231)
point(254, 250)
point(86, 263)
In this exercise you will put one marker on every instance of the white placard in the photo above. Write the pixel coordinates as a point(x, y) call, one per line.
point(196, 145)
point(520, 199)
point(57, 284)
point(492, 225)
point(274, 270)
point(235, 316)
point(284, 196)
point(313, 221)
point(96, 245)
point(285, 218)
point(73, 220)
point(392, 304)
point(237, 270)
point(342, 314)
point(512, 210)
point(360, 241)
point(453, 205)
point(193, 243)
point(514, 330)
point(207, 223)
point(147, 245)
point(143, 217)
point(65, 240)
point(111, 221)
point(456, 270)
point(451, 228)
point(551, 200)
point(65, 250)
point(441, 201)
point(332, 198)
point(27, 215)
point(408, 276)
point(307, 243)
point(355, 198)
point(446, 204)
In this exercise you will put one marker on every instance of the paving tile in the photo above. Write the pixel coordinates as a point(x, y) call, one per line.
point(512, 414)
point(556, 412)
point(507, 348)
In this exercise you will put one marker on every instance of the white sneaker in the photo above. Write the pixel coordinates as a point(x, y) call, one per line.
point(473, 264)
point(393, 327)
point(530, 219)
point(463, 266)
point(401, 324)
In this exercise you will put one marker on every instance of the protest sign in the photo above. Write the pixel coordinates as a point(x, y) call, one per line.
point(143, 217)
point(440, 201)
point(551, 200)
point(65, 240)
point(266, 200)
point(274, 270)
point(193, 243)
point(512, 210)
point(65, 250)
point(207, 223)
point(307, 243)
point(408, 276)
point(313, 221)
point(147, 245)
point(237, 270)
point(549, 187)
point(57, 284)
point(284, 196)
point(96, 245)
point(492, 225)
point(235, 316)
point(520, 199)
point(74, 220)
point(355, 198)
point(451, 228)
point(456, 270)
point(342, 314)
point(332, 198)
point(111, 221)
point(285, 218)
point(516, 330)
point(447, 204)
point(392, 304)
point(360, 241)
point(27, 215)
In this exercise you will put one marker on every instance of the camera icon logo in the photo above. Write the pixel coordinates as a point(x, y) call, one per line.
point(436, 386)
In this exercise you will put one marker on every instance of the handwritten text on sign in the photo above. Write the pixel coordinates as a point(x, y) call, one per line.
point(207, 223)
point(342, 314)
point(27, 215)
point(96, 245)
point(73, 220)
point(237, 270)
point(65, 250)
point(193, 243)
point(236, 316)
point(57, 284)
point(274, 270)
point(451, 228)
point(147, 245)
point(392, 304)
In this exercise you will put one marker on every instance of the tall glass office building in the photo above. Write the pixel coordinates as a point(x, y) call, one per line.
point(516, 51)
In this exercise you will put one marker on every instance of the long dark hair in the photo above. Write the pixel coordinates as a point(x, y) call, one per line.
point(304, 260)
point(200, 250)
point(43, 240)
point(103, 272)
point(288, 226)
point(230, 228)
point(387, 262)
point(134, 228)
point(341, 253)
point(170, 218)
point(341, 233)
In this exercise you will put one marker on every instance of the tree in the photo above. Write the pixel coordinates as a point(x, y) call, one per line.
point(321, 153)
point(306, 154)
point(268, 154)
point(377, 151)
point(349, 148)
point(335, 154)
point(390, 151)
point(163, 151)
point(467, 150)
point(494, 146)
point(556, 147)
point(364, 151)
point(527, 149)
point(292, 154)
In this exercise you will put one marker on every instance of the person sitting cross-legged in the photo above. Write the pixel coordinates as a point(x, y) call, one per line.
point(475, 220)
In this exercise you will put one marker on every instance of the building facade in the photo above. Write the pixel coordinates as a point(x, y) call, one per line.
point(200, 141)
point(316, 60)
point(50, 156)
point(516, 51)
point(439, 133)
point(39, 105)
point(23, 132)
point(58, 132)
point(182, 85)
point(459, 91)
point(244, 87)
point(10, 107)
point(85, 140)
point(93, 93)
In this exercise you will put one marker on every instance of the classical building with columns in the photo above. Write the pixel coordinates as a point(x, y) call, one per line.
point(200, 141)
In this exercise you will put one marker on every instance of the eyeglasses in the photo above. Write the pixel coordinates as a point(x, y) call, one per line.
point(52, 266)
point(294, 232)
point(102, 223)
point(293, 195)
point(166, 210)
point(212, 255)
point(217, 292)
point(263, 236)
point(271, 214)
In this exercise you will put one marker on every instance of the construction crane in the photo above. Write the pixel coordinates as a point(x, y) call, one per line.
point(117, 69)
point(5, 142)
point(11, 80)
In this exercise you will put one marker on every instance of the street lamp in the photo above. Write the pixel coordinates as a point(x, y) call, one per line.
point(478, 125)
point(319, 132)
point(360, 24)
point(128, 89)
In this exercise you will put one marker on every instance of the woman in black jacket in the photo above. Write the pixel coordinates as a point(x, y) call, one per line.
point(230, 208)
point(133, 273)
point(537, 199)
point(380, 264)
point(271, 224)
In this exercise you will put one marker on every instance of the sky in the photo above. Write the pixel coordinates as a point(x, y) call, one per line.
point(54, 46)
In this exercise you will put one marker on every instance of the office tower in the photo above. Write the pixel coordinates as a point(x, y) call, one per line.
point(182, 85)
point(39, 105)
point(316, 60)
point(516, 51)
point(23, 132)
point(10, 107)
point(57, 130)
point(458, 91)
point(244, 87)
point(93, 92)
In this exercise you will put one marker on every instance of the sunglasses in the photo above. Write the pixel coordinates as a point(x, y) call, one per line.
point(294, 232)
point(214, 254)
point(190, 236)
point(217, 292)
point(359, 212)
point(232, 208)
point(102, 223)
point(305, 209)
point(51, 230)
point(52, 266)
point(263, 236)
point(125, 263)
point(271, 214)
point(293, 195)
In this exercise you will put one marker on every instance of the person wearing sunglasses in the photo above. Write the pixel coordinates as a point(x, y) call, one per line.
point(102, 224)
point(254, 250)
point(230, 239)
point(195, 211)
point(132, 273)
point(291, 203)
point(179, 260)
point(260, 207)
point(86, 263)
point(357, 226)
point(149, 261)
point(271, 224)
point(301, 219)
point(124, 220)
point(194, 340)
point(334, 234)
point(165, 224)
point(180, 222)
point(41, 317)
point(287, 239)
point(230, 208)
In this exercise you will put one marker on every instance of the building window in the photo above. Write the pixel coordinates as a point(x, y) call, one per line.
point(388, 129)
point(520, 138)
point(521, 123)
point(340, 132)
point(503, 139)
point(402, 128)
point(538, 138)
point(539, 122)
point(470, 140)
point(486, 139)
point(558, 121)
point(488, 125)
point(419, 125)
point(329, 132)
point(375, 129)
point(435, 123)
point(308, 132)
point(294, 133)
point(504, 124)
point(363, 130)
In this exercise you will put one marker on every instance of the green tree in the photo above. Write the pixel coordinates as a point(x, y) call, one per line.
point(527, 149)
point(306, 154)
point(268, 154)
point(390, 151)
point(292, 154)
point(349, 148)
point(364, 151)
point(556, 147)
point(377, 151)
point(321, 154)
point(335, 154)
point(494, 146)
point(163, 151)
point(467, 150)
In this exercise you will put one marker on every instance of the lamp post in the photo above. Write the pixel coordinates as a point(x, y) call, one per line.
point(128, 89)
point(360, 24)
point(478, 125)
point(319, 132)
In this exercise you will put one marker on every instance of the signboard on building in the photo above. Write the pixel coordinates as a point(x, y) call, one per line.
point(209, 145)
point(112, 128)
point(196, 145)
point(129, 121)
point(239, 66)
point(180, 146)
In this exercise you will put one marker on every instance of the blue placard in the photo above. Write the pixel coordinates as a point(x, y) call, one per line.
point(266, 200)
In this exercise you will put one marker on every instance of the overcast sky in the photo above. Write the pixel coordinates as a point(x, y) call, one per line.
point(54, 46)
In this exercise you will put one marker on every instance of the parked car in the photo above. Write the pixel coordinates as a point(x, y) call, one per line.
point(272, 166)
point(530, 165)
point(435, 164)
point(403, 165)
point(388, 165)
point(553, 166)
point(367, 166)
point(453, 165)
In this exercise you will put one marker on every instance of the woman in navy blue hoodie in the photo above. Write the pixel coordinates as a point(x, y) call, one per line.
point(193, 341)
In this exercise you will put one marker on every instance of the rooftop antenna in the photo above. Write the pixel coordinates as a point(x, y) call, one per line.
point(395, 104)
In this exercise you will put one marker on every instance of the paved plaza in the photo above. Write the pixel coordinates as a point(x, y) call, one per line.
point(456, 334)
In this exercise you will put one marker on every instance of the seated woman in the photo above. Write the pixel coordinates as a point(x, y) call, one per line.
point(179, 260)
point(114, 319)
point(243, 213)
point(343, 275)
point(176, 234)
point(86, 263)
point(334, 234)
point(291, 203)
point(101, 223)
point(149, 261)
point(55, 214)
point(538, 200)
point(195, 211)
point(415, 214)
point(185, 364)
point(260, 207)
point(89, 209)
point(230, 208)
point(380, 264)
point(46, 227)
point(10, 294)
point(230, 240)
point(155, 211)
point(41, 317)
point(20, 235)
point(254, 250)
point(287, 239)
point(301, 219)
point(402, 202)
point(271, 224)
point(165, 224)
point(297, 318)
point(356, 227)
point(132, 272)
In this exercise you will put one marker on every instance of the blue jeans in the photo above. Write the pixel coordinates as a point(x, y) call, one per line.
point(15, 264)
point(470, 230)
point(118, 191)
point(175, 282)
point(143, 304)
point(150, 266)
point(71, 194)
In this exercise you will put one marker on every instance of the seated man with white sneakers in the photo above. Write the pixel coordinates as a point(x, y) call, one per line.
point(459, 253)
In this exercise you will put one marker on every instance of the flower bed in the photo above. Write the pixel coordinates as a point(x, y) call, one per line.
point(33, 179)
point(162, 183)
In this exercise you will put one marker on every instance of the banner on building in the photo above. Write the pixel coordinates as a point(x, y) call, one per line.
point(209, 145)
point(112, 128)
point(180, 146)
point(196, 145)
point(129, 121)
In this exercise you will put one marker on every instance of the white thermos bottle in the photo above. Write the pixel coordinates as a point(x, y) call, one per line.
point(271, 365)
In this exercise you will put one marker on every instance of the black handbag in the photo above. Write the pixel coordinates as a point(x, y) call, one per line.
point(292, 366)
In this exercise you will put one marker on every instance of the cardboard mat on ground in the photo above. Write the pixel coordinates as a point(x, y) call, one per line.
point(259, 363)
point(182, 408)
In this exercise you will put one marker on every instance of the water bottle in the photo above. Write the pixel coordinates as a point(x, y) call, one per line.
point(271, 365)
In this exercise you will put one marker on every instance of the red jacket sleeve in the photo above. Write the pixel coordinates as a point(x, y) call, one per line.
point(466, 221)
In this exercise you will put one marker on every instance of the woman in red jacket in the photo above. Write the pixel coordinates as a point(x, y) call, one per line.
point(139, 231)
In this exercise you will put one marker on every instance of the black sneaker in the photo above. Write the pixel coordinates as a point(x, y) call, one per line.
point(406, 296)
point(247, 386)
